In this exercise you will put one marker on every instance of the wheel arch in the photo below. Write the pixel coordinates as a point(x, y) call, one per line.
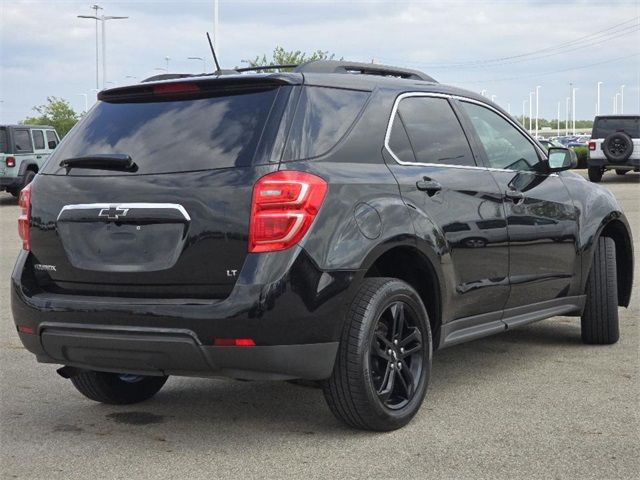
point(419, 269)
point(618, 230)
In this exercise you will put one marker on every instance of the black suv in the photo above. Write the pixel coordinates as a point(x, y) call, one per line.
point(336, 223)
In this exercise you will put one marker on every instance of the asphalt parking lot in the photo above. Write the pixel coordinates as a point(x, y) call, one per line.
point(531, 403)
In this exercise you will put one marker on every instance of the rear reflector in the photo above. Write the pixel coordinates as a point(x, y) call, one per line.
point(592, 146)
point(283, 208)
point(168, 88)
point(25, 217)
point(10, 162)
point(234, 342)
point(25, 329)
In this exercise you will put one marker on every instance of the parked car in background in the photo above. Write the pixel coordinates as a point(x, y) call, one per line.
point(547, 144)
point(23, 151)
point(614, 145)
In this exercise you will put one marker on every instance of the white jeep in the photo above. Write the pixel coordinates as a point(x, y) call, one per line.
point(614, 145)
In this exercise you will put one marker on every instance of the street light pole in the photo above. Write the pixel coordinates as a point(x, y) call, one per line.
point(573, 108)
point(524, 107)
point(86, 101)
point(530, 111)
point(537, 106)
point(598, 107)
point(215, 27)
point(166, 59)
point(566, 123)
point(204, 63)
point(559, 103)
point(622, 98)
point(96, 18)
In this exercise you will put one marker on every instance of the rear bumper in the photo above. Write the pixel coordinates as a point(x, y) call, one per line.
point(10, 182)
point(146, 351)
point(632, 163)
point(291, 310)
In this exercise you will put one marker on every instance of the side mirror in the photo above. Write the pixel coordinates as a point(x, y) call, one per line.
point(52, 144)
point(562, 159)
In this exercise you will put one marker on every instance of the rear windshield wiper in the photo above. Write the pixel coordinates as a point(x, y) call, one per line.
point(109, 161)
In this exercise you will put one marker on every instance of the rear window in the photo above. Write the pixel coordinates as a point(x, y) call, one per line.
point(606, 126)
point(171, 136)
point(323, 116)
point(4, 145)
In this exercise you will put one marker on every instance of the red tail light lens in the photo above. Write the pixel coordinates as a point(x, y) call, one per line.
point(592, 145)
point(10, 162)
point(283, 208)
point(169, 88)
point(25, 217)
point(234, 342)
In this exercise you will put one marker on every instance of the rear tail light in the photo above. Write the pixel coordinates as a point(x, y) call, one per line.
point(26, 329)
point(170, 88)
point(25, 217)
point(234, 342)
point(283, 208)
point(592, 145)
point(10, 162)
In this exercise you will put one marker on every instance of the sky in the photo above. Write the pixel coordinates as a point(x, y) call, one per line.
point(504, 47)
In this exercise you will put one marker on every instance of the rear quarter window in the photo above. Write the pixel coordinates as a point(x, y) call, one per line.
point(22, 141)
point(323, 116)
point(171, 136)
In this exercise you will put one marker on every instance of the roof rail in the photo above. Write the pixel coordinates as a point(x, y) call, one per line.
point(334, 66)
point(265, 67)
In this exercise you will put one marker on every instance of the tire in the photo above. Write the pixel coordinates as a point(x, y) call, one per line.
point(368, 387)
point(617, 147)
point(29, 175)
point(620, 172)
point(116, 389)
point(595, 174)
point(600, 317)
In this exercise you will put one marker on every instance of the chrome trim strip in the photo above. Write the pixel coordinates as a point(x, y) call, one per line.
point(402, 96)
point(100, 206)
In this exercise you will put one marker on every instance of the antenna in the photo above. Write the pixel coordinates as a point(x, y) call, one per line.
point(213, 52)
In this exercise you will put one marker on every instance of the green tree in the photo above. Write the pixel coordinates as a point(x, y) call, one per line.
point(281, 56)
point(57, 112)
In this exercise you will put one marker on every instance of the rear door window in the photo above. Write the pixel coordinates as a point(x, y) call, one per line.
point(171, 136)
point(22, 141)
point(38, 139)
point(606, 126)
point(323, 116)
point(434, 131)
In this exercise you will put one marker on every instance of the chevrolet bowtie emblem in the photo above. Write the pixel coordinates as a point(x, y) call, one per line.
point(113, 213)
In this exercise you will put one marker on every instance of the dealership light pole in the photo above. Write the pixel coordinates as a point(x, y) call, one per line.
point(86, 101)
point(559, 104)
point(215, 27)
point(538, 87)
point(530, 110)
point(598, 104)
point(96, 8)
point(204, 63)
point(622, 98)
point(566, 123)
point(103, 19)
point(524, 113)
point(573, 108)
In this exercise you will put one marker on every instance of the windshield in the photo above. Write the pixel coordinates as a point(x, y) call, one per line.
point(607, 125)
point(171, 136)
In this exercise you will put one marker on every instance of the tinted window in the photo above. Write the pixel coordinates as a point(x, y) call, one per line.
point(4, 145)
point(22, 141)
point(38, 139)
point(606, 126)
point(171, 136)
point(51, 137)
point(504, 145)
point(322, 117)
point(399, 141)
point(434, 131)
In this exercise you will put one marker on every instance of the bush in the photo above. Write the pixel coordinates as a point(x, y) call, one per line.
point(582, 154)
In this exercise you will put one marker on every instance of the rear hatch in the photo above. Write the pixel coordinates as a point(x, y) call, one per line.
point(172, 221)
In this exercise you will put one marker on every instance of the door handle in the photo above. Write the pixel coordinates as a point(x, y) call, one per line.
point(516, 196)
point(428, 185)
point(38, 156)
